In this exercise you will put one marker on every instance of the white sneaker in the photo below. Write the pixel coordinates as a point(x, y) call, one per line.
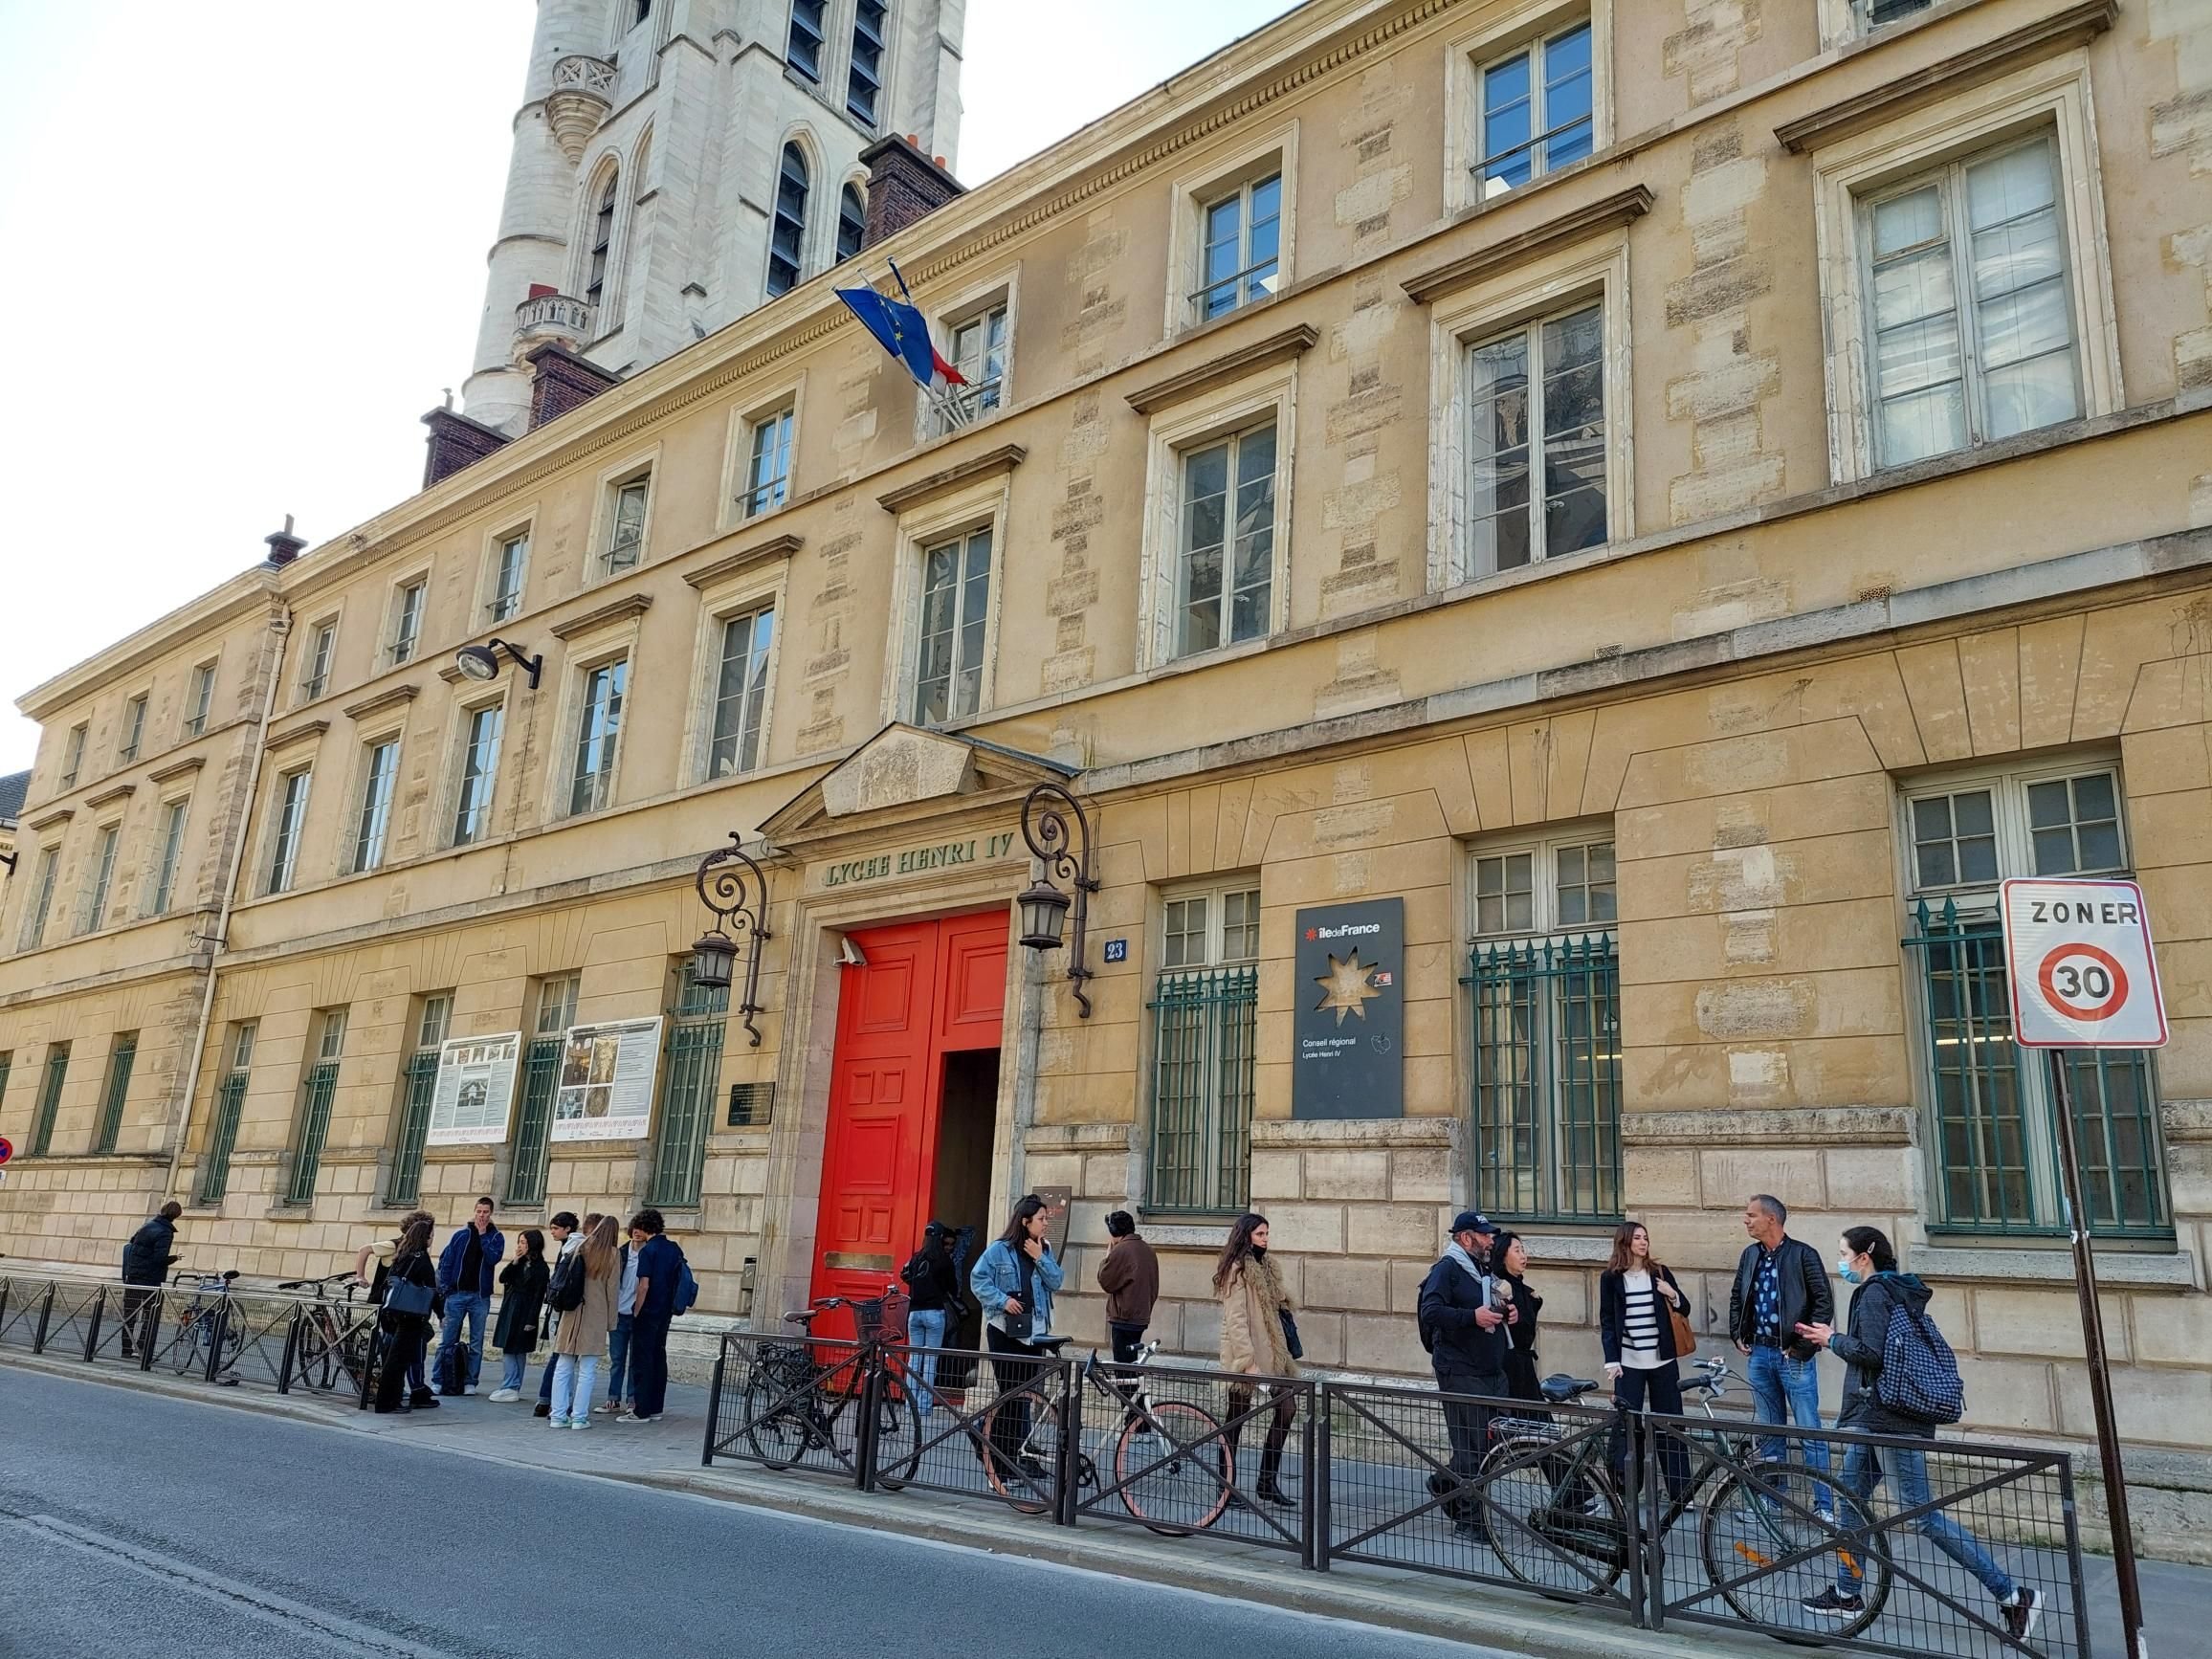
point(468, 1388)
point(506, 1396)
point(634, 1417)
point(559, 1421)
point(606, 1408)
point(579, 1423)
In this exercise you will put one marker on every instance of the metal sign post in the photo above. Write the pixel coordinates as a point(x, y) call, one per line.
point(2083, 976)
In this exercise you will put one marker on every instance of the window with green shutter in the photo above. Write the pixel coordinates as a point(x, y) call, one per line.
point(121, 1059)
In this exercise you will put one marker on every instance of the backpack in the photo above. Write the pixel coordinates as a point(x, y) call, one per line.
point(564, 1292)
point(687, 1288)
point(1919, 1376)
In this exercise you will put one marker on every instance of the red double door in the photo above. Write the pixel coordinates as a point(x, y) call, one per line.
point(928, 989)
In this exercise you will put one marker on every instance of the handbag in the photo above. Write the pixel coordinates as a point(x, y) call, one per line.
point(1685, 1338)
point(406, 1299)
point(1291, 1333)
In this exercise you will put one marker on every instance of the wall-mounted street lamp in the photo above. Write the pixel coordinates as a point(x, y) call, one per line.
point(1043, 907)
point(482, 661)
point(743, 908)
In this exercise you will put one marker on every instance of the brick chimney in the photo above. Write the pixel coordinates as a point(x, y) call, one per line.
point(903, 185)
point(283, 545)
point(454, 442)
point(560, 381)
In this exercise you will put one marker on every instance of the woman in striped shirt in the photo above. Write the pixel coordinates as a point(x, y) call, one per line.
point(1636, 1297)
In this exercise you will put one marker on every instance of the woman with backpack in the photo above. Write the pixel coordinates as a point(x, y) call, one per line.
point(408, 1286)
point(521, 1306)
point(588, 1284)
point(933, 1302)
point(1883, 1296)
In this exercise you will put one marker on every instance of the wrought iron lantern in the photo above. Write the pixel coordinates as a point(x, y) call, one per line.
point(1062, 850)
point(741, 907)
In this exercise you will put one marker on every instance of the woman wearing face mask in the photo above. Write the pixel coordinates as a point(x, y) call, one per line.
point(1867, 1262)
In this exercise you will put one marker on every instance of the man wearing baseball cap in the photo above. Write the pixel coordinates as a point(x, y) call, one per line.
point(1465, 1332)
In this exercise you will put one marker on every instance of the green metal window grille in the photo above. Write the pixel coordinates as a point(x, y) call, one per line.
point(533, 1139)
point(50, 1099)
point(1204, 1029)
point(222, 1138)
point(1547, 1077)
point(1996, 1135)
point(315, 1097)
point(403, 1182)
point(119, 1070)
point(6, 1065)
point(687, 1099)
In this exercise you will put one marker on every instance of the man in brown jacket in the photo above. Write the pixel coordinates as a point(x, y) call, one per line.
point(1130, 1277)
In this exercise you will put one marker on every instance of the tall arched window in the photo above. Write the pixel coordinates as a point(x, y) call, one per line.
point(852, 222)
point(787, 234)
point(602, 241)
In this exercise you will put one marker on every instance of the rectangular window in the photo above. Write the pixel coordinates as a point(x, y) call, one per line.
point(1226, 556)
point(1205, 1022)
point(804, 53)
point(1543, 970)
point(479, 773)
point(1971, 328)
point(1535, 110)
point(72, 757)
point(687, 1089)
point(214, 1173)
point(7, 1065)
point(864, 81)
point(418, 1089)
point(979, 352)
point(407, 625)
point(540, 1066)
point(507, 573)
point(95, 894)
point(290, 820)
point(741, 692)
point(956, 590)
point(48, 1098)
point(379, 774)
point(768, 465)
point(314, 665)
point(172, 833)
point(627, 545)
point(41, 901)
point(598, 733)
point(1878, 12)
point(121, 1059)
point(1993, 1139)
point(134, 730)
point(200, 700)
point(318, 1090)
point(1239, 245)
point(1536, 442)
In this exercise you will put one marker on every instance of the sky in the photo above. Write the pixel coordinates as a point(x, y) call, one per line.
point(246, 254)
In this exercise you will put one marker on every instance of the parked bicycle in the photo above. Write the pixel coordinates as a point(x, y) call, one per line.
point(796, 1402)
point(203, 1322)
point(332, 1339)
point(1170, 1459)
point(1766, 1535)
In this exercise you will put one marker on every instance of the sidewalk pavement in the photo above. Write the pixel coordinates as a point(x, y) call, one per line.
point(666, 1454)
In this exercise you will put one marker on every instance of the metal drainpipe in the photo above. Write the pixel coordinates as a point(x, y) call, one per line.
point(222, 936)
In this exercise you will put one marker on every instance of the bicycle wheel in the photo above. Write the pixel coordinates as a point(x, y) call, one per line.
point(1173, 1478)
point(775, 1419)
point(1029, 1481)
point(1757, 1522)
point(187, 1353)
point(897, 1438)
point(313, 1363)
point(1554, 1520)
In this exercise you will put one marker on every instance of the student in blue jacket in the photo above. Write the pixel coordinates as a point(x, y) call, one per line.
point(1015, 1281)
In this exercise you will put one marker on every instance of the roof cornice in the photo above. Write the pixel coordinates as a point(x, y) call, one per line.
point(234, 599)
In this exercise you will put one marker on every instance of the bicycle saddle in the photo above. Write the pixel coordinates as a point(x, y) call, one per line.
point(1050, 1345)
point(804, 1316)
point(1562, 1388)
point(229, 1273)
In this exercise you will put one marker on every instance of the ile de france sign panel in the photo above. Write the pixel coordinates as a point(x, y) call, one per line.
point(1349, 1011)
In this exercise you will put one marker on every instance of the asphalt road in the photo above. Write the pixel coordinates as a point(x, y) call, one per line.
point(131, 1524)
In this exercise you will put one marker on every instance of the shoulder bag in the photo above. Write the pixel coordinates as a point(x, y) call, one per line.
point(406, 1299)
point(1685, 1337)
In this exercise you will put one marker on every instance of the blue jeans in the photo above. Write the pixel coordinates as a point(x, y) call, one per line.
point(572, 1377)
point(618, 1356)
point(924, 1329)
point(1787, 1390)
point(1863, 1472)
point(513, 1364)
point(474, 1307)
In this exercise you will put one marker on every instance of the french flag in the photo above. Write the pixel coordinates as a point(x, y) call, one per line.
point(900, 329)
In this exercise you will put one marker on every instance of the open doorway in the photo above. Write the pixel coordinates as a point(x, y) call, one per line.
point(960, 1191)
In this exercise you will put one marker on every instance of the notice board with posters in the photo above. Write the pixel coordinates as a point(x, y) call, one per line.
point(476, 1090)
point(1348, 1001)
point(605, 1090)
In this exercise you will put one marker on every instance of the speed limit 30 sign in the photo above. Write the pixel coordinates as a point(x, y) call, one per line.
point(2081, 967)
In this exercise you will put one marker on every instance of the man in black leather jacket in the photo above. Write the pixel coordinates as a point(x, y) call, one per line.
point(145, 1264)
point(1780, 1283)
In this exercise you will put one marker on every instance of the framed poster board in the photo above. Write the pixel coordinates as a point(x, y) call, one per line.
point(605, 1090)
point(476, 1090)
point(1348, 1023)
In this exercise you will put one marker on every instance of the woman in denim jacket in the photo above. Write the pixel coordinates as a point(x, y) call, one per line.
point(1015, 1281)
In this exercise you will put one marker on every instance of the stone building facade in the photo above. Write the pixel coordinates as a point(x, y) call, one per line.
point(1608, 578)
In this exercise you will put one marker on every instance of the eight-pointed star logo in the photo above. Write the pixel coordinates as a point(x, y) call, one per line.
point(1347, 986)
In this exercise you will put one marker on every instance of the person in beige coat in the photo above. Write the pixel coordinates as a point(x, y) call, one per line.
point(583, 1329)
point(1254, 1345)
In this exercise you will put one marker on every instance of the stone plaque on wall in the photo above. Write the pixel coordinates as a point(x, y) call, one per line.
point(1348, 1029)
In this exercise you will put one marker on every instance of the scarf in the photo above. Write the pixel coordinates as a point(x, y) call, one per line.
point(1467, 1264)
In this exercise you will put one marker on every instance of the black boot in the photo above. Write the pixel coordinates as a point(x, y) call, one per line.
point(1271, 1465)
